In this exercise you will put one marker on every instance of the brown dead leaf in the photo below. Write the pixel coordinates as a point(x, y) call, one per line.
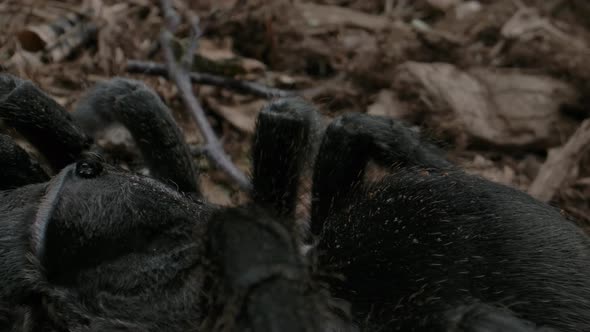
point(486, 168)
point(215, 193)
point(242, 116)
point(554, 45)
point(501, 107)
point(214, 51)
point(443, 5)
point(528, 23)
point(467, 9)
point(387, 104)
point(473, 22)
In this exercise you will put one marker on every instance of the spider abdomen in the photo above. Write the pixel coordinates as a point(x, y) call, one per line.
point(417, 244)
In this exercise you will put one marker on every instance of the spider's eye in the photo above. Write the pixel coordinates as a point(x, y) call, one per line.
point(88, 168)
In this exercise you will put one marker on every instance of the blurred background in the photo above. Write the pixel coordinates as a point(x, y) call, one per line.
point(502, 85)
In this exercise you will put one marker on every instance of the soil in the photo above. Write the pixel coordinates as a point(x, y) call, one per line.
point(500, 84)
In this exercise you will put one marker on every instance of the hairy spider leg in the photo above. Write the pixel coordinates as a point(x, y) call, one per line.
point(393, 144)
point(255, 246)
point(339, 167)
point(150, 122)
point(349, 142)
point(281, 145)
point(41, 120)
point(18, 168)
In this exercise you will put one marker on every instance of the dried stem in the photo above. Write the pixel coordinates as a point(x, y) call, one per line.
point(252, 88)
point(193, 45)
point(213, 148)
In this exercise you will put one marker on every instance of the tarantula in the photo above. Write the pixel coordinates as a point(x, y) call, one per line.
point(427, 247)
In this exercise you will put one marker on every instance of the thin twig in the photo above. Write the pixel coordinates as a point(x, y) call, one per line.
point(170, 16)
point(193, 45)
point(252, 88)
point(213, 148)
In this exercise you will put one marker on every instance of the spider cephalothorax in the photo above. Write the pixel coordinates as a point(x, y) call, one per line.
point(428, 247)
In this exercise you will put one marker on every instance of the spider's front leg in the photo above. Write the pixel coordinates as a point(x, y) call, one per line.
point(17, 168)
point(255, 246)
point(151, 124)
point(349, 142)
point(41, 120)
point(281, 147)
point(49, 128)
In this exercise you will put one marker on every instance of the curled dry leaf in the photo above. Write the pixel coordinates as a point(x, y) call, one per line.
point(501, 107)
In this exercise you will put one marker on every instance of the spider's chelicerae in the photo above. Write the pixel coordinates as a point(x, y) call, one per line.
point(426, 248)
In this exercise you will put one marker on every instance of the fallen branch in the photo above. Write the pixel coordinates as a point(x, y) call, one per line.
point(179, 74)
point(253, 88)
point(559, 164)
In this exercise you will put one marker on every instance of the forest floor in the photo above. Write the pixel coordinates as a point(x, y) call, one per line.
point(503, 85)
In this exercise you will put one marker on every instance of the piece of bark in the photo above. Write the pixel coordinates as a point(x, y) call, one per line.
point(559, 164)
